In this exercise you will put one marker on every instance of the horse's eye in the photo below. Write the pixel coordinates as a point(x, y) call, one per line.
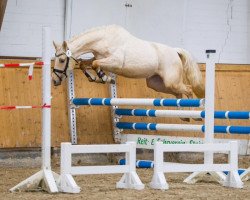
point(61, 60)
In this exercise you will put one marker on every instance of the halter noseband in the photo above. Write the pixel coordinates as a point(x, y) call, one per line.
point(64, 72)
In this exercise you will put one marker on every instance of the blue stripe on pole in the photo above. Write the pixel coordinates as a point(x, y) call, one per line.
point(239, 129)
point(139, 163)
point(202, 114)
point(220, 114)
point(220, 129)
point(137, 126)
point(96, 101)
point(238, 115)
point(169, 102)
point(145, 126)
point(144, 164)
point(107, 101)
point(151, 113)
point(203, 129)
point(190, 103)
point(157, 102)
point(122, 162)
point(80, 101)
point(140, 112)
point(124, 125)
point(141, 126)
point(123, 112)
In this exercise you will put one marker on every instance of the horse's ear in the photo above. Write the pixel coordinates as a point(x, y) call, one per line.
point(65, 45)
point(56, 45)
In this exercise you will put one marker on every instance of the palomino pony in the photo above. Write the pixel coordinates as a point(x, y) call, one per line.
point(166, 69)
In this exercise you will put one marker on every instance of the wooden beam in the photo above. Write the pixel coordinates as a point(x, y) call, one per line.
point(3, 4)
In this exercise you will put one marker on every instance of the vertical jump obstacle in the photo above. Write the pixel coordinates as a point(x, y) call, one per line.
point(45, 178)
point(160, 167)
point(129, 179)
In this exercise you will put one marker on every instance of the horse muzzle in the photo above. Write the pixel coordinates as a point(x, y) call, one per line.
point(56, 82)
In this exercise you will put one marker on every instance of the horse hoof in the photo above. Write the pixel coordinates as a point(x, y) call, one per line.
point(112, 81)
point(185, 119)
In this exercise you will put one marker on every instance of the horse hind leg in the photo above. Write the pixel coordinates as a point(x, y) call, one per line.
point(156, 83)
point(179, 89)
point(189, 94)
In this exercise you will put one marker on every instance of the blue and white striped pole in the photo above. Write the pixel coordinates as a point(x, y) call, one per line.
point(138, 102)
point(182, 113)
point(182, 127)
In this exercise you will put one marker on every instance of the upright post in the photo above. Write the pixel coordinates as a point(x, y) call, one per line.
point(45, 178)
point(209, 119)
point(114, 118)
point(72, 111)
point(209, 103)
point(46, 92)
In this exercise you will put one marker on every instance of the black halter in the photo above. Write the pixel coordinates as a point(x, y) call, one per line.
point(64, 72)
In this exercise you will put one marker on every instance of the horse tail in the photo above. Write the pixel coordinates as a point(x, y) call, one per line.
point(192, 73)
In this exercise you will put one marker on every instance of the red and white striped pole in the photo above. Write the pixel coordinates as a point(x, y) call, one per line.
point(22, 107)
point(30, 65)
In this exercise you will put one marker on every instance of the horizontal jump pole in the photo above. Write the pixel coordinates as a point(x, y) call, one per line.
point(182, 127)
point(139, 163)
point(23, 107)
point(17, 65)
point(182, 113)
point(14, 65)
point(138, 102)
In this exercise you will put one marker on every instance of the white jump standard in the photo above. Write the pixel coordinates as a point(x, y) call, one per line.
point(45, 178)
point(160, 167)
point(130, 178)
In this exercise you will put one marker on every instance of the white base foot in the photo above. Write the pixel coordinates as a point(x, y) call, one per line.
point(233, 180)
point(67, 184)
point(197, 176)
point(44, 180)
point(159, 181)
point(130, 180)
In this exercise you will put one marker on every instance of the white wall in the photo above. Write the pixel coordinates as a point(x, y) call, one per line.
point(196, 25)
point(220, 24)
point(21, 33)
point(192, 24)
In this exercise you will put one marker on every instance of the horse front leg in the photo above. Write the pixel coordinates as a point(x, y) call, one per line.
point(107, 63)
point(86, 64)
point(91, 77)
